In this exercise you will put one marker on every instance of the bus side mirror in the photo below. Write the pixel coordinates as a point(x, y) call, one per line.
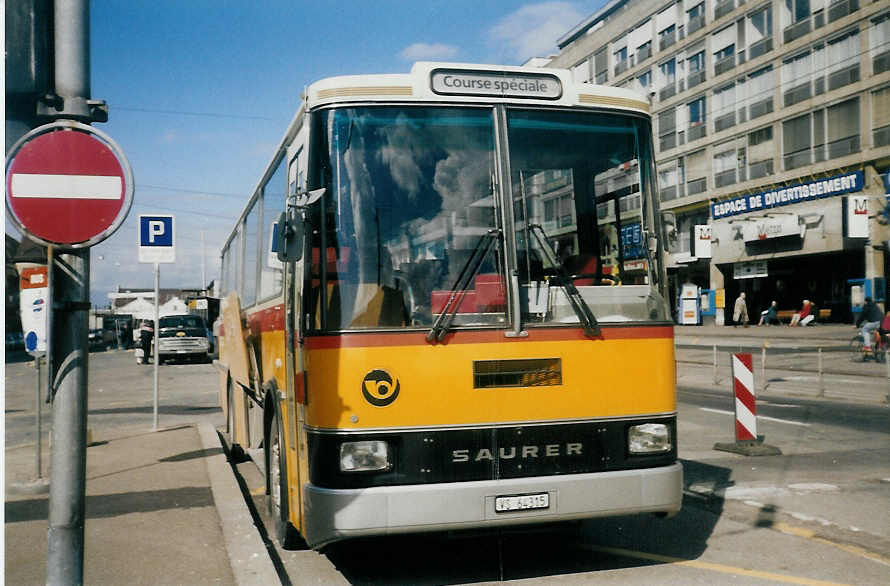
point(289, 237)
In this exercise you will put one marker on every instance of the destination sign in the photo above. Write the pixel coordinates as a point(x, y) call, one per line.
point(453, 82)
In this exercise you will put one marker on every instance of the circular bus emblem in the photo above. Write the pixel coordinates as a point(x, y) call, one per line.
point(379, 388)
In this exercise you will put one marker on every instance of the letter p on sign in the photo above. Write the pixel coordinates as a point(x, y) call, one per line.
point(156, 239)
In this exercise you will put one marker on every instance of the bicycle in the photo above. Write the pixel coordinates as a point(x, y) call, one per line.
point(878, 351)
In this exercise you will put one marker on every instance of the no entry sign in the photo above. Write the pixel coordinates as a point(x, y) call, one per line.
point(68, 185)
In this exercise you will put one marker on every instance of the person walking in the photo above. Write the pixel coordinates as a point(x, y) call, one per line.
point(146, 333)
point(740, 311)
point(870, 319)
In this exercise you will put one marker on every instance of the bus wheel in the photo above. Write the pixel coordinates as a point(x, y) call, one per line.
point(235, 451)
point(276, 483)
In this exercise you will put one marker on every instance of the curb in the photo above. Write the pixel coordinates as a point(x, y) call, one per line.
point(248, 555)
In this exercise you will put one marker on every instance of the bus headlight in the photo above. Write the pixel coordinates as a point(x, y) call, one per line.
point(364, 456)
point(649, 438)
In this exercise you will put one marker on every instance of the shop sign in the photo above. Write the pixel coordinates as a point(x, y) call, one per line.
point(812, 190)
point(773, 227)
point(702, 241)
point(857, 216)
point(749, 270)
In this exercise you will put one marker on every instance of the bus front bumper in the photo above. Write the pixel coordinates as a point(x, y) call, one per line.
point(334, 514)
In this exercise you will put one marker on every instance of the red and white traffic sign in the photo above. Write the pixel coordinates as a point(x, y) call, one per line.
point(68, 184)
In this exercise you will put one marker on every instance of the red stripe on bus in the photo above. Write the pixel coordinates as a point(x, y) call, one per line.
point(354, 340)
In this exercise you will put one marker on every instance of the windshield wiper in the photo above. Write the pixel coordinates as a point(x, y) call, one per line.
point(580, 307)
point(467, 272)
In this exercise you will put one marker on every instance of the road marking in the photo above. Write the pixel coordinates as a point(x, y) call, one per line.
point(723, 569)
point(811, 535)
point(763, 417)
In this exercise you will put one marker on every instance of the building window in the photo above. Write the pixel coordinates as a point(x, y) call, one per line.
point(644, 51)
point(843, 60)
point(797, 141)
point(697, 124)
point(670, 181)
point(724, 107)
point(796, 74)
point(760, 92)
point(668, 71)
point(667, 129)
point(879, 44)
point(723, 43)
point(695, 65)
point(696, 165)
point(761, 151)
point(619, 58)
point(759, 32)
point(667, 37)
point(644, 82)
point(843, 129)
point(725, 162)
point(880, 117)
point(805, 138)
point(695, 18)
point(795, 19)
point(601, 66)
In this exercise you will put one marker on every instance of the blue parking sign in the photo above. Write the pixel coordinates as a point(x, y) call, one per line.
point(157, 242)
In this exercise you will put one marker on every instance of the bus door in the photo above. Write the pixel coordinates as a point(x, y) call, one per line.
point(295, 404)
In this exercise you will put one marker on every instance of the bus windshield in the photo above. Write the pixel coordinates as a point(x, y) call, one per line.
point(413, 221)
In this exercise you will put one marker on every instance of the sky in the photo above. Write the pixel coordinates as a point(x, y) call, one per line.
point(200, 93)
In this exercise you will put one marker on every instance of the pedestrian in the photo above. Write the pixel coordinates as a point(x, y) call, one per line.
point(146, 333)
point(870, 319)
point(740, 311)
point(802, 314)
point(769, 315)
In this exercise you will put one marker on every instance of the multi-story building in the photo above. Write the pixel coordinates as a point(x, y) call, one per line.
point(772, 137)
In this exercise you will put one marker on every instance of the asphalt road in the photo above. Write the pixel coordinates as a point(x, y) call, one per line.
point(818, 513)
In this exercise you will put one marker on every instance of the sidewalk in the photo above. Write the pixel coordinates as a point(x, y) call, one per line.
point(161, 508)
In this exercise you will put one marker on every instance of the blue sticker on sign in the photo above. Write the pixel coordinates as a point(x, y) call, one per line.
point(31, 341)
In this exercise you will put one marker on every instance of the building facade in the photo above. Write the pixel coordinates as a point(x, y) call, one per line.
point(772, 138)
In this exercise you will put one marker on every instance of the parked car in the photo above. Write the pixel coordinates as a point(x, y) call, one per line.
point(101, 339)
point(183, 336)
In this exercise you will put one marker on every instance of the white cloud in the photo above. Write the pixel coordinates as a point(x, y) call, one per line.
point(532, 30)
point(428, 51)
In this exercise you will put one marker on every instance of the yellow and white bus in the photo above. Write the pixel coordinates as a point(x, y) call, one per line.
point(460, 319)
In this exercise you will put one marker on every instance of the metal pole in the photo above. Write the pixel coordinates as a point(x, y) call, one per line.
point(64, 564)
point(821, 380)
point(203, 279)
point(38, 403)
point(763, 368)
point(157, 340)
point(715, 364)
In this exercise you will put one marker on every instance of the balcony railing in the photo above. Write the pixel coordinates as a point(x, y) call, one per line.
point(669, 193)
point(724, 122)
point(724, 178)
point(696, 186)
point(760, 108)
point(796, 30)
point(695, 78)
point(666, 40)
point(643, 53)
point(621, 67)
point(843, 147)
point(724, 65)
point(667, 142)
point(843, 77)
point(760, 169)
point(798, 159)
point(667, 92)
point(723, 8)
point(881, 136)
point(797, 94)
point(881, 63)
point(696, 132)
point(694, 24)
point(761, 47)
point(842, 8)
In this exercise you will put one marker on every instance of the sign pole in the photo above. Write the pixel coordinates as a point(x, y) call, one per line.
point(157, 341)
point(68, 459)
point(37, 404)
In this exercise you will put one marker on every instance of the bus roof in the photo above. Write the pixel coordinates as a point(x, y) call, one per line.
point(473, 83)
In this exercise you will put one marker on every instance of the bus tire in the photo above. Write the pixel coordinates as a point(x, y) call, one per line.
point(236, 453)
point(276, 485)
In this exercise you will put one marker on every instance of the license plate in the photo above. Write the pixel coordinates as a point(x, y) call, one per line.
point(521, 502)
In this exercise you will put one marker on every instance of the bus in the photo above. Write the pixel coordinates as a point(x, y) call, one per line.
point(444, 307)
